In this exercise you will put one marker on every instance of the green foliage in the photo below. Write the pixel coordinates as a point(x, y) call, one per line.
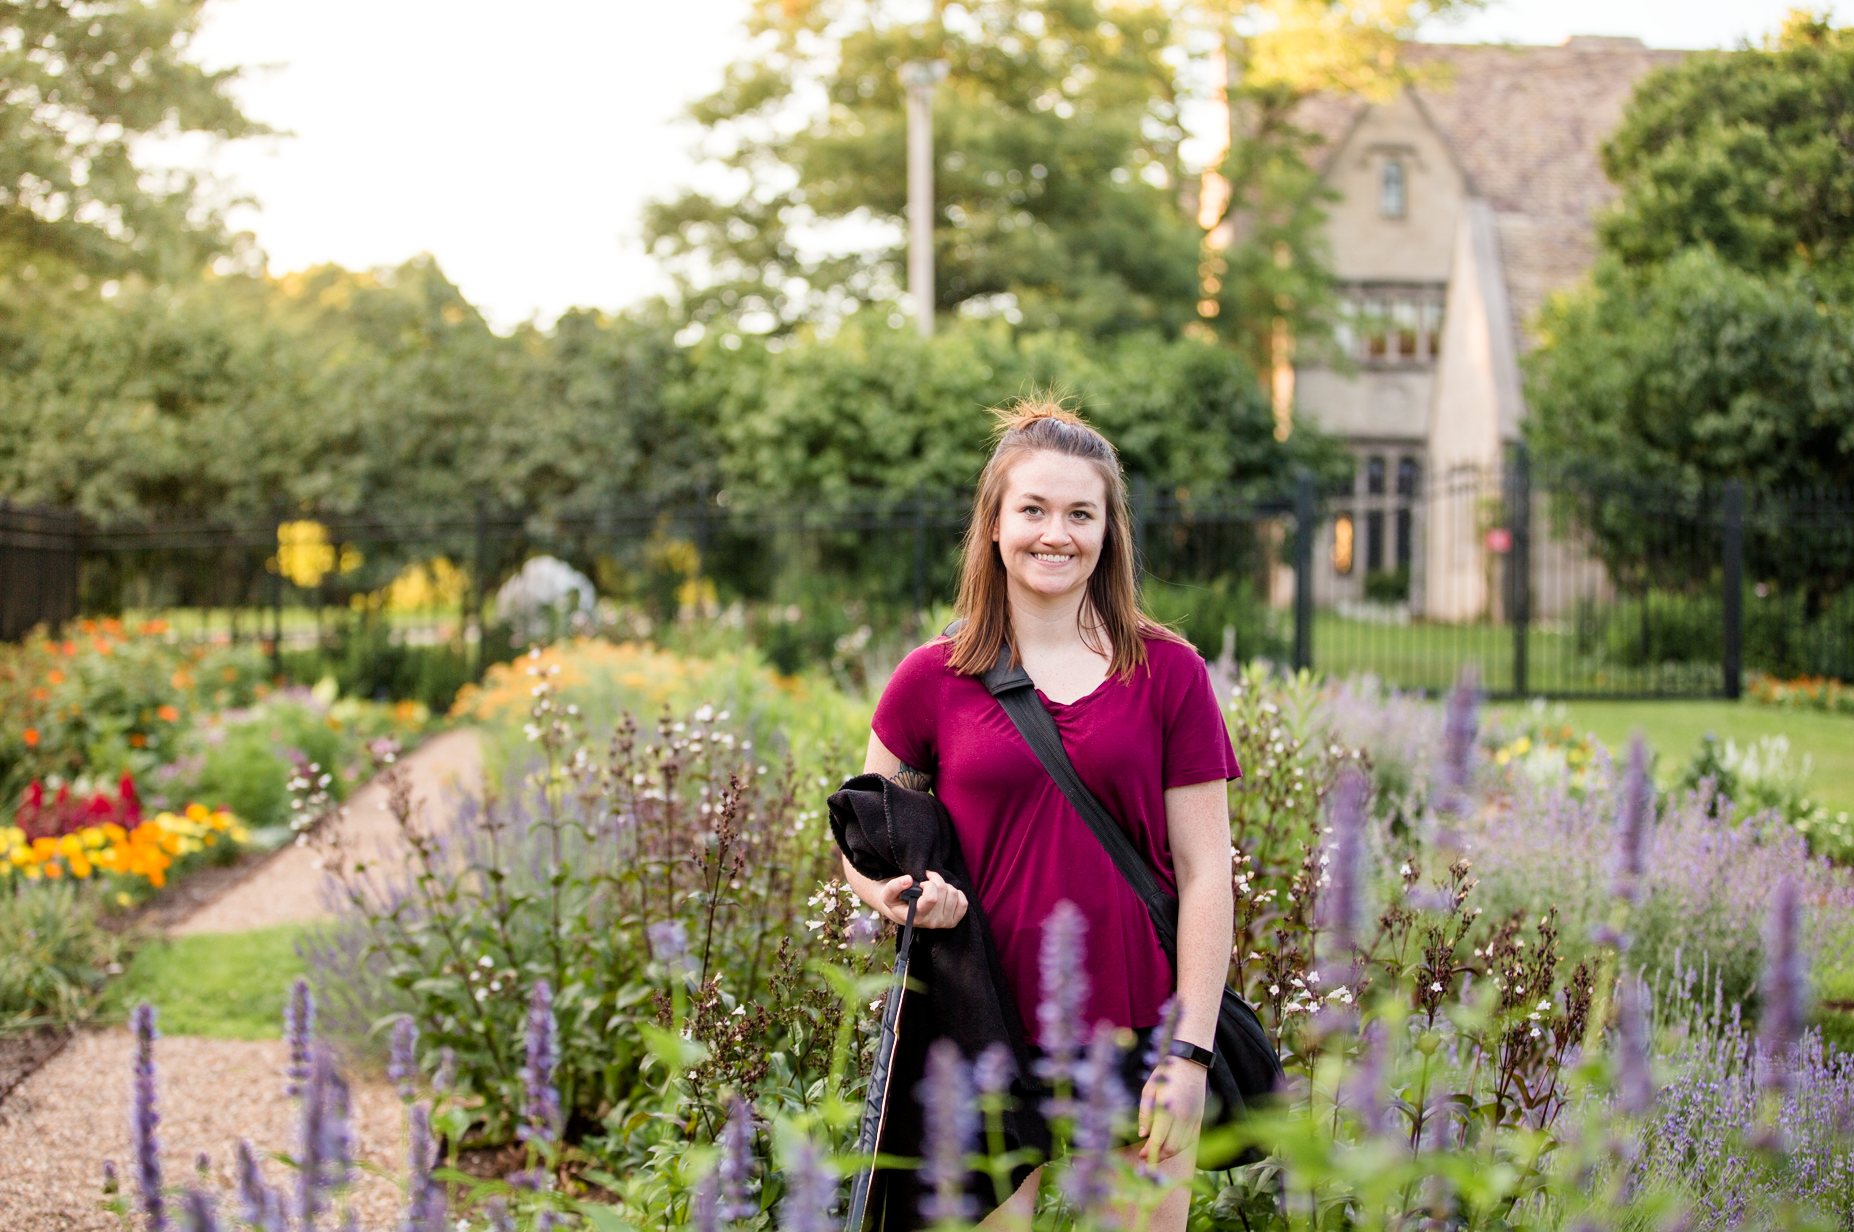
point(84, 83)
point(1762, 777)
point(1743, 153)
point(54, 955)
point(220, 985)
point(1203, 611)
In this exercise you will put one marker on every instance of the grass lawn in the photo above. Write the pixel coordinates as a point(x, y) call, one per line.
point(1673, 730)
point(226, 985)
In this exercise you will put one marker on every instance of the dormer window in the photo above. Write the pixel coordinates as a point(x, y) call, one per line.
point(1392, 197)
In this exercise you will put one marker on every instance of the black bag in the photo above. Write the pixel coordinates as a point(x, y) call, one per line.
point(1247, 1068)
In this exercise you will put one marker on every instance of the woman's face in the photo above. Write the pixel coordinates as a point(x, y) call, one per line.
point(1052, 524)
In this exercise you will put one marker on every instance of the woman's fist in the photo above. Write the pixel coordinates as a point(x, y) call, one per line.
point(940, 905)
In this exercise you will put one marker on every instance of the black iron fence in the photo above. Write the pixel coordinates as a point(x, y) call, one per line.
point(1550, 584)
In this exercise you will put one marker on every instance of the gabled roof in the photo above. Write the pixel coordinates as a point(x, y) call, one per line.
point(1526, 125)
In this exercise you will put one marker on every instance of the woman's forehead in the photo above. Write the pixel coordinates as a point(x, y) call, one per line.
point(1056, 476)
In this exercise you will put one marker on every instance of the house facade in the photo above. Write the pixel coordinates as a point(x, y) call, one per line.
point(1462, 204)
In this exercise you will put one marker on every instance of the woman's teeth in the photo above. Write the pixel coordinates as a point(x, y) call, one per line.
point(1054, 558)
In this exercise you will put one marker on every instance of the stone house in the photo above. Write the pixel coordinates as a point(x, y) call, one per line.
point(1463, 203)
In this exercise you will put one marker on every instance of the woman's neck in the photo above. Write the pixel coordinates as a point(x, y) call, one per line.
point(1045, 625)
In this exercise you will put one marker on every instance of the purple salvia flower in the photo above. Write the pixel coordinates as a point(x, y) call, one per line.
point(446, 1076)
point(196, 1212)
point(1364, 1084)
point(298, 1031)
point(542, 1107)
point(402, 1063)
point(865, 929)
point(810, 1192)
point(1784, 991)
point(202, 1163)
point(950, 1124)
point(993, 1071)
point(497, 1212)
point(1634, 1078)
point(424, 1196)
point(111, 1185)
point(1064, 992)
point(1102, 1100)
point(1632, 822)
point(669, 942)
point(1460, 723)
point(1341, 897)
point(547, 1221)
point(145, 1119)
point(261, 1206)
point(324, 1160)
point(736, 1167)
point(1164, 1033)
point(705, 1205)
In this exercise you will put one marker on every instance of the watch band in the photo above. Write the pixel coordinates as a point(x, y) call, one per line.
point(1192, 1053)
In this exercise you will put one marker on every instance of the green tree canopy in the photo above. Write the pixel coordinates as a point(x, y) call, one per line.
point(1746, 152)
point(82, 82)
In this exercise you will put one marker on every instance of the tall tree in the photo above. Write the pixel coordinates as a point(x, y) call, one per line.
point(82, 82)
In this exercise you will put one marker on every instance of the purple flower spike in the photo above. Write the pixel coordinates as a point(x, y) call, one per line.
point(705, 1205)
point(1784, 992)
point(993, 1071)
point(298, 1031)
point(111, 1185)
point(1102, 1100)
point(669, 941)
point(736, 1167)
point(1634, 1079)
point(1164, 1033)
point(810, 1192)
point(497, 1212)
point(325, 1161)
point(424, 1196)
point(537, 1075)
point(1340, 898)
point(1064, 992)
point(261, 1206)
point(1364, 1086)
point(951, 1124)
point(147, 1148)
point(1460, 723)
point(402, 1064)
point(446, 1076)
point(196, 1212)
point(1632, 822)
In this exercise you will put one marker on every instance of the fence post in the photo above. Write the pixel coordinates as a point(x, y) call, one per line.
point(920, 557)
point(477, 572)
point(1304, 514)
point(1520, 564)
point(1733, 582)
point(276, 593)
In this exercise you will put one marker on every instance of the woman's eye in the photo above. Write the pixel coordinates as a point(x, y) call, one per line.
point(1031, 510)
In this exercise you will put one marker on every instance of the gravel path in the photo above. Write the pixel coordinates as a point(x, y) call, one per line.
point(60, 1125)
point(288, 888)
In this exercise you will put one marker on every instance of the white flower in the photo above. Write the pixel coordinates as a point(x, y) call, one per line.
point(485, 961)
point(1435, 986)
point(814, 925)
point(1536, 1033)
point(704, 714)
point(1545, 1005)
point(1274, 990)
point(739, 1011)
point(1404, 871)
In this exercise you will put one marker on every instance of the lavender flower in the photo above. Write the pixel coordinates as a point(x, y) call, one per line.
point(705, 1204)
point(261, 1206)
point(325, 1158)
point(196, 1212)
point(1784, 992)
point(1632, 822)
point(669, 941)
point(993, 1071)
point(402, 1063)
point(736, 1167)
point(1364, 1083)
point(1341, 897)
point(497, 1212)
point(445, 1078)
point(145, 1119)
point(1102, 1101)
point(298, 1031)
point(951, 1124)
point(1164, 1033)
point(1460, 722)
point(537, 1075)
point(810, 1192)
point(1064, 992)
point(424, 1196)
point(1634, 1079)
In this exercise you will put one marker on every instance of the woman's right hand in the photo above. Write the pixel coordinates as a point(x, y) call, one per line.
point(940, 906)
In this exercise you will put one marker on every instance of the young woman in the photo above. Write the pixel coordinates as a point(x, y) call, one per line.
point(1049, 570)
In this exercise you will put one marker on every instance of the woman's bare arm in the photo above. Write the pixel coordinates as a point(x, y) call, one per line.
point(940, 906)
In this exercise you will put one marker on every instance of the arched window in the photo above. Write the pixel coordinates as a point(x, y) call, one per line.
point(1392, 198)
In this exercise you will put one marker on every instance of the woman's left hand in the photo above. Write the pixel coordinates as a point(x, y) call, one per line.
point(1171, 1108)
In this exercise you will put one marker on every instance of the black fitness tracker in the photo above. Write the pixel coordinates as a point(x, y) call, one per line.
point(1192, 1053)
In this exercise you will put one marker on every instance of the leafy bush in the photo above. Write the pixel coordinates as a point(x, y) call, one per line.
point(1207, 612)
point(54, 956)
point(1761, 778)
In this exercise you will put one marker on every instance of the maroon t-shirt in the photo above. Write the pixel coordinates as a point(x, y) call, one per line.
point(1025, 845)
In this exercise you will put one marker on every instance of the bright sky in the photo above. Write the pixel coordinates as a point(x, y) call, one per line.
point(519, 143)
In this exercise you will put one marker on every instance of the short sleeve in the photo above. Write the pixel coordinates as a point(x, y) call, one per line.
point(907, 715)
point(1197, 743)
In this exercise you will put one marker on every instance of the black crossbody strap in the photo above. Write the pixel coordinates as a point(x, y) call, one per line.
point(1016, 692)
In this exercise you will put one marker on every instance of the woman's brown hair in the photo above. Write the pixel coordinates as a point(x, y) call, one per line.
point(1027, 426)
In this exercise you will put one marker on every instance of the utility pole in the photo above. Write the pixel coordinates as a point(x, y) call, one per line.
point(920, 77)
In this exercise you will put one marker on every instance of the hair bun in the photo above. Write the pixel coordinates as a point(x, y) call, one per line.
point(1019, 415)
